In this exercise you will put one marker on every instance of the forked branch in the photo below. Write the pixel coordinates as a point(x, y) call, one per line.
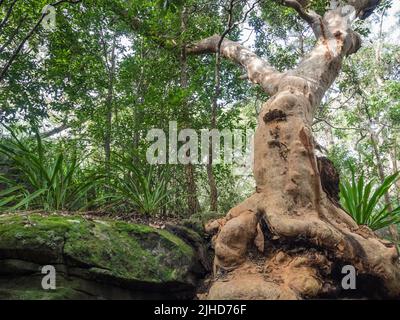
point(309, 16)
point(258, 70)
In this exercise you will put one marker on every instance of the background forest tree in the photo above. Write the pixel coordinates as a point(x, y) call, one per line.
point(81, 98)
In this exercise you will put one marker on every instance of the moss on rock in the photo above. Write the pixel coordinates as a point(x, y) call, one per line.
point(106, 250)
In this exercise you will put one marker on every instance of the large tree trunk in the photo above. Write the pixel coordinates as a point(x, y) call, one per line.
point(289, 240)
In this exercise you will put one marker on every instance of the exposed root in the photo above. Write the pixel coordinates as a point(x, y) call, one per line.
point(300, 256)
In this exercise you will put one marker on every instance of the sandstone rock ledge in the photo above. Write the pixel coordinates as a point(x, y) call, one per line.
point(94, 259)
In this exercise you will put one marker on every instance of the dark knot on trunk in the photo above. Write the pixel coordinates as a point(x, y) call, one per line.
point(329, 178)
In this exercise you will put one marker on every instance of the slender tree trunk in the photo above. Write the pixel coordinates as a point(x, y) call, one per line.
point(136, 132)
point(214, 108)
point(192, 200)
point(109, 107)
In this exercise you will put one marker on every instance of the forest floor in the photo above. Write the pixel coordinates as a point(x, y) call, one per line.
point(156, 221)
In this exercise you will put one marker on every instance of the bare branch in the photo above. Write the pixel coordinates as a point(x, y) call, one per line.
point(12, 36)
point(258, 70)
point(305, 15)
point(55, 131)
point(19, 48)
point(229, 27)
point(309, 16)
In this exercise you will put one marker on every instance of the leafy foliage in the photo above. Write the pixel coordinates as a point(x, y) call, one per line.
point(142, 187)
point(40, 181)
point(362, 201)
point(65, 76)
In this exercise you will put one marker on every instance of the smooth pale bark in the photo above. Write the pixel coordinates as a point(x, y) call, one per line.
point(301, 236)
point(258, 70)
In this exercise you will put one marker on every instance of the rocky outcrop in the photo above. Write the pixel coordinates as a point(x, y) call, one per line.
point(94, 259)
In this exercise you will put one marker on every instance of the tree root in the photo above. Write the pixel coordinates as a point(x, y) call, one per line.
point(262, 253)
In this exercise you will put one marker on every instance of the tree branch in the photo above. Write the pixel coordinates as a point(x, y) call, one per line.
point(258, 70)
point(319, 120)
point(12, 36)
point(364, 8)
point(16, 52)
point(8, 14)
point(306, 15)
point(55, 131)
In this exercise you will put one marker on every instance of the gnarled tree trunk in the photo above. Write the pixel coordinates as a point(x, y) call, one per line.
point(289, 240)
